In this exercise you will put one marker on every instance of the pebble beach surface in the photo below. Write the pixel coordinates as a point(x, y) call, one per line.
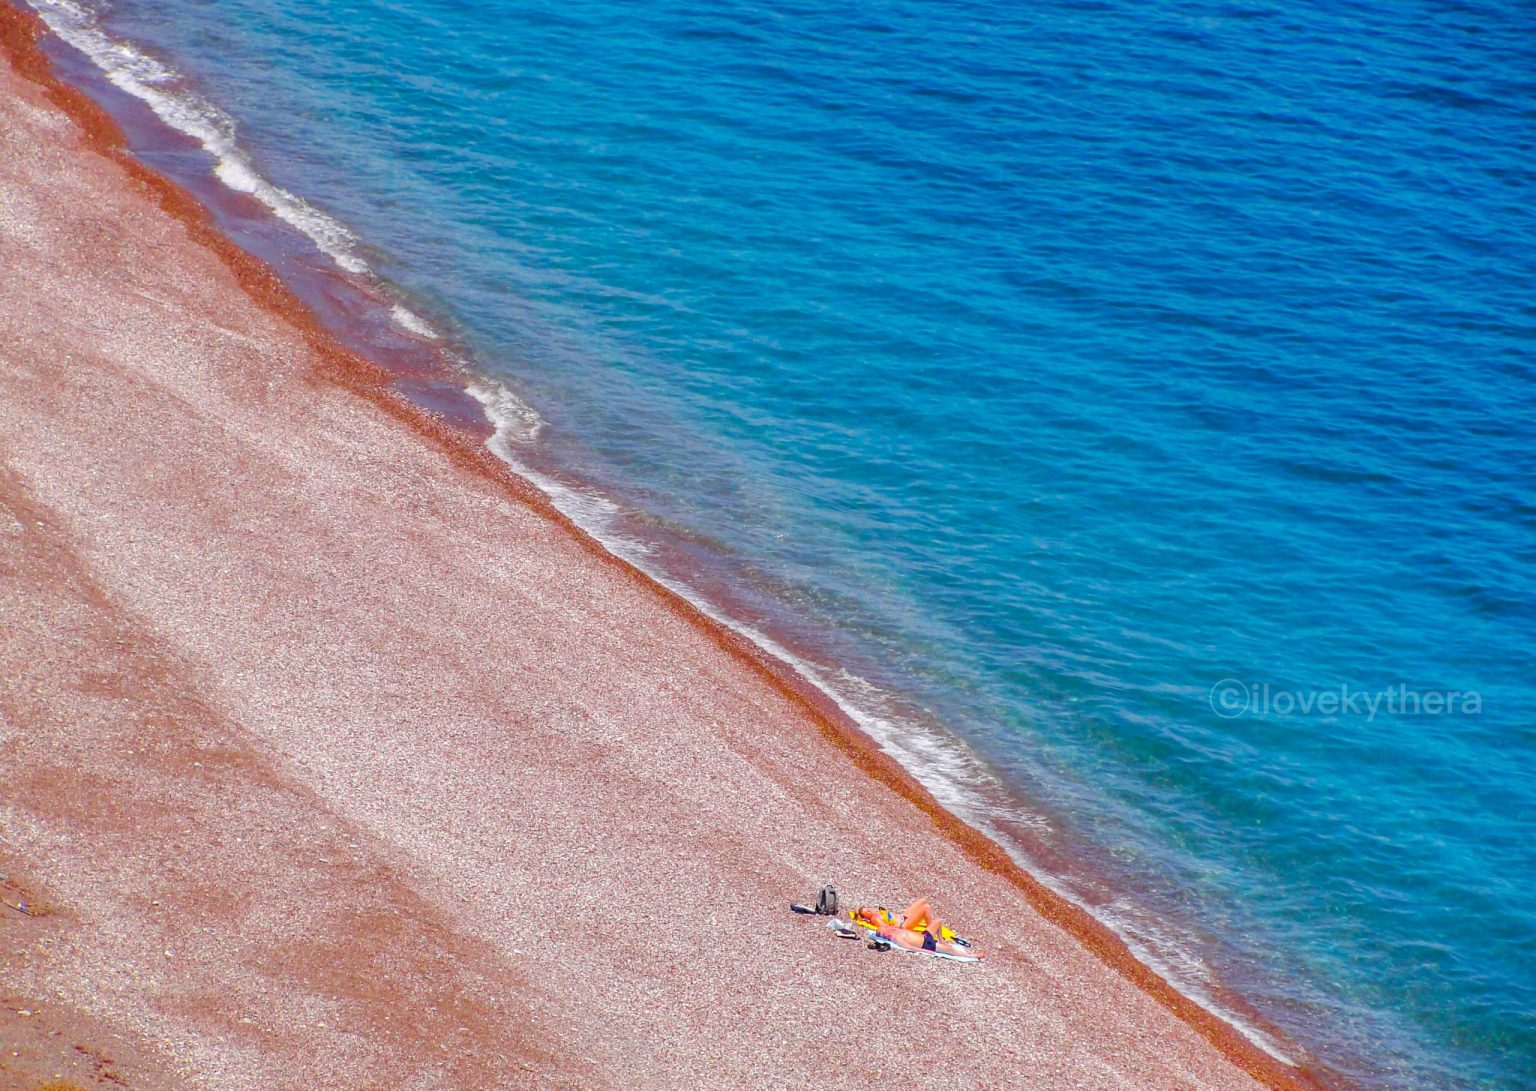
point(332, 760)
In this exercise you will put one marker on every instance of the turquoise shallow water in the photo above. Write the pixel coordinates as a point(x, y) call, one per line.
point(1044, 369)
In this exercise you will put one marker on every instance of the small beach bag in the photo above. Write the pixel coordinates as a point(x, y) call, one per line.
point(826, 901)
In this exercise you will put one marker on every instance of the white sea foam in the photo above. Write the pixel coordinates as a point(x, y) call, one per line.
point(165, 91)
point(516, 422)
point(408, 319)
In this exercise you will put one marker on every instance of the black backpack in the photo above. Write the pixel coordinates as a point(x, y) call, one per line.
point(826, 901)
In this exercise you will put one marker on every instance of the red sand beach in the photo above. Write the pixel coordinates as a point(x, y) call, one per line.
point(333, 757)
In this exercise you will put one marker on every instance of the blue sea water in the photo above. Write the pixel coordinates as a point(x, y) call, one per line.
point(1141, 395)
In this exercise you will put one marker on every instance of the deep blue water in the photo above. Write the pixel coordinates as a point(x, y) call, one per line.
point(1044, 366)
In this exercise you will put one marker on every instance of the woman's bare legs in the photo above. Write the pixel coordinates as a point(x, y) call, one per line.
point(919, 917)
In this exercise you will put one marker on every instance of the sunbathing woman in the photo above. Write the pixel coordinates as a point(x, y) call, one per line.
point(918, 929)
